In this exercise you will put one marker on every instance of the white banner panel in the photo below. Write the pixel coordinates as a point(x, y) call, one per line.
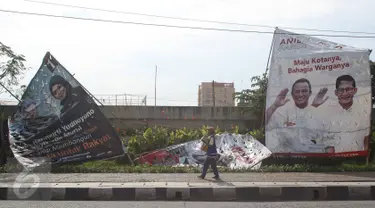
point(318, 97)
point(235, 151)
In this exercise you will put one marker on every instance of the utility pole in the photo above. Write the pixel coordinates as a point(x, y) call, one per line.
point(213, 92)
point(156, 74)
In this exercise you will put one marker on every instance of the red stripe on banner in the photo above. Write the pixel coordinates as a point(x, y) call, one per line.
point(157, 157)
point(343, 154)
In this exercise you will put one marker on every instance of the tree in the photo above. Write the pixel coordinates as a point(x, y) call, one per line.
point(12, 68)
point(254, 100)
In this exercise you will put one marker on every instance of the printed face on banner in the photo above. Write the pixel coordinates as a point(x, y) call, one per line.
point(301, 92)
point(59, 122)
point(329, 105)
point(345, 91)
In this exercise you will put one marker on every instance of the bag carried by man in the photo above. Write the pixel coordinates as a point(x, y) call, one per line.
point(206, 141)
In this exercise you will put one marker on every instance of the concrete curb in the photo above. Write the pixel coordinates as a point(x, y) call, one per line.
point(172, 191)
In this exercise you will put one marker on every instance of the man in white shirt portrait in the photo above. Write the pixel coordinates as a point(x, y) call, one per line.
point(349, 118)
point(301, 92)
point(292, 125)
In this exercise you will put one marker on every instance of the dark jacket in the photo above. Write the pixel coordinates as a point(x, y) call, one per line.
point(211, 151)
point(76, 95)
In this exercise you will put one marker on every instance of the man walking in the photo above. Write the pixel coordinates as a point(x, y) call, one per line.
point(211, 154)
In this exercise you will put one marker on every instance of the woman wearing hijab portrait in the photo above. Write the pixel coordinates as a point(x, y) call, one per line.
point(62, 90)
point(69, 97)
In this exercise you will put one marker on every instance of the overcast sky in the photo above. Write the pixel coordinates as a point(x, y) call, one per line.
point(120, 58)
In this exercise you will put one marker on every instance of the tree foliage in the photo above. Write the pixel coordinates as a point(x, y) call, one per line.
point(254, 100)
point(12, 68)
point(159, 137)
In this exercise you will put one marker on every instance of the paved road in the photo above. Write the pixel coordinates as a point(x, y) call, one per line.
point(93, 204)
point(182, 177)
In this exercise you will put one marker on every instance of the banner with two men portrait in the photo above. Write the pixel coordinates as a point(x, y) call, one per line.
point(318, 97)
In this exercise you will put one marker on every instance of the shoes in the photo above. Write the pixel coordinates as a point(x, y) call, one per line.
point(215, 177)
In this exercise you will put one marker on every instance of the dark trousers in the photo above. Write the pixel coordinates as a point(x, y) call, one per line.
point(210, 161)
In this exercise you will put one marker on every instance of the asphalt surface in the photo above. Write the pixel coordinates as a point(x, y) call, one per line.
point(96, 204)
point(183, 177)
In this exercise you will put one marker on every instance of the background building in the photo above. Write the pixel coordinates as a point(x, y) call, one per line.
point(216, 94)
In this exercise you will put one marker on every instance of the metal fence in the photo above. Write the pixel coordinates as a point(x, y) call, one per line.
point(122, 99)
point(105, 99)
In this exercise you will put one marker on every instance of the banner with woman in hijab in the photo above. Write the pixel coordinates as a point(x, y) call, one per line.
point(57, 121)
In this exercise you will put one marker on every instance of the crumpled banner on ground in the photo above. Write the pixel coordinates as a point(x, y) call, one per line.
point(236, 151)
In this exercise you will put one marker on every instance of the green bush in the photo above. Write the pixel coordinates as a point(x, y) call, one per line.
point(259, 134)
point(148, 139)
point(184, 135)
point(157, 137)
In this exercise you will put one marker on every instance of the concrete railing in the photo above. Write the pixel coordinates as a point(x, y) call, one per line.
point(175, 113)
point(171, 116)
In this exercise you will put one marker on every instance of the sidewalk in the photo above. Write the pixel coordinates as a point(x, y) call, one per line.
point(233, 187)
point(192, 177)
